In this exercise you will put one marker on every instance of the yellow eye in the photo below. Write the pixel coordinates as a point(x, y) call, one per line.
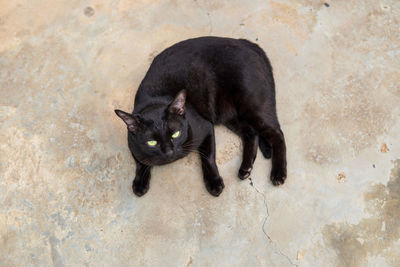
point(152, 142)
point(176, 134)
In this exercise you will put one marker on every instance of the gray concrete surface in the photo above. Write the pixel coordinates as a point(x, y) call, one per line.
point(66, 171)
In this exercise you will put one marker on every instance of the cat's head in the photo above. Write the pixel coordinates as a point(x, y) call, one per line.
point(158, 134)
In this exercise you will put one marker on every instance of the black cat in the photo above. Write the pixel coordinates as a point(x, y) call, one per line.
point(193, 85)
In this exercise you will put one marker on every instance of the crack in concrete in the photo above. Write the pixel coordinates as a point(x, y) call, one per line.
point(275, 246)
point(208, 16)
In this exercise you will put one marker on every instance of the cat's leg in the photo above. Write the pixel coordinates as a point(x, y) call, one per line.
point(141, 183)
point(212, 180)
point(265, 147)
point(269, 129)
point(250, 144)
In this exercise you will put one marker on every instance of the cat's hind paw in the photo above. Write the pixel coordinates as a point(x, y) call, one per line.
point(278, 176)
point(244, 174)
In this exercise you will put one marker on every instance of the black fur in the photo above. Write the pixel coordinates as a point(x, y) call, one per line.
point(190, 87)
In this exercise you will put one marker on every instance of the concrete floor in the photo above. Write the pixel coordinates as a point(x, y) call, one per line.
point(66, 171)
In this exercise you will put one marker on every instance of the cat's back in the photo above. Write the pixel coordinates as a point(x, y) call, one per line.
point(209, 50)
point(211, 69)
point(204, 58)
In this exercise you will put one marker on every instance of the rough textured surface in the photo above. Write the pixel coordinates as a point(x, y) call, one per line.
point(66, 171)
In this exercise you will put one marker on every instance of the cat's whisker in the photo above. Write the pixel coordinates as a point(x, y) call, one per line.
point(191, 148)
point(198, 152)
point(193, 141)
point(147, 166)
point(191, 145)
point(147, 170)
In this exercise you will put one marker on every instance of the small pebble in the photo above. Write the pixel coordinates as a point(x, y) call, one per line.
point(326, 4)
point(384, 148)
point(341, 177)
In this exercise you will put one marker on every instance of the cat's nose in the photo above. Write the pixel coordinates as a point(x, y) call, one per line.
point(169, 152)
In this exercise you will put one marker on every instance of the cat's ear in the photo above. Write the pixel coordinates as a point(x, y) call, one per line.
point(132, 121)
point(178, 105)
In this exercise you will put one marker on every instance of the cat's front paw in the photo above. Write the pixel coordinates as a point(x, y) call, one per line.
point(139, 188)
point(215, 186)
point(278, 175)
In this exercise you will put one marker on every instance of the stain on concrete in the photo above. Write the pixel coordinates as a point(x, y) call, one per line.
point(372, 236)
point(348, 118)
point(55, 255)
point(88, 11)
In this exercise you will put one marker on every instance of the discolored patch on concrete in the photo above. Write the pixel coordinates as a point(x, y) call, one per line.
point(352, 120)
point(375, 236)
point(88, 11)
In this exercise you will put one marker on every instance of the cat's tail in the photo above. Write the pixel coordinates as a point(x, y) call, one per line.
point(265, 147)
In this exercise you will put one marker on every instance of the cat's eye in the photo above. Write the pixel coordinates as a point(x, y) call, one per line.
point(152, 142)
point(176, 134)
